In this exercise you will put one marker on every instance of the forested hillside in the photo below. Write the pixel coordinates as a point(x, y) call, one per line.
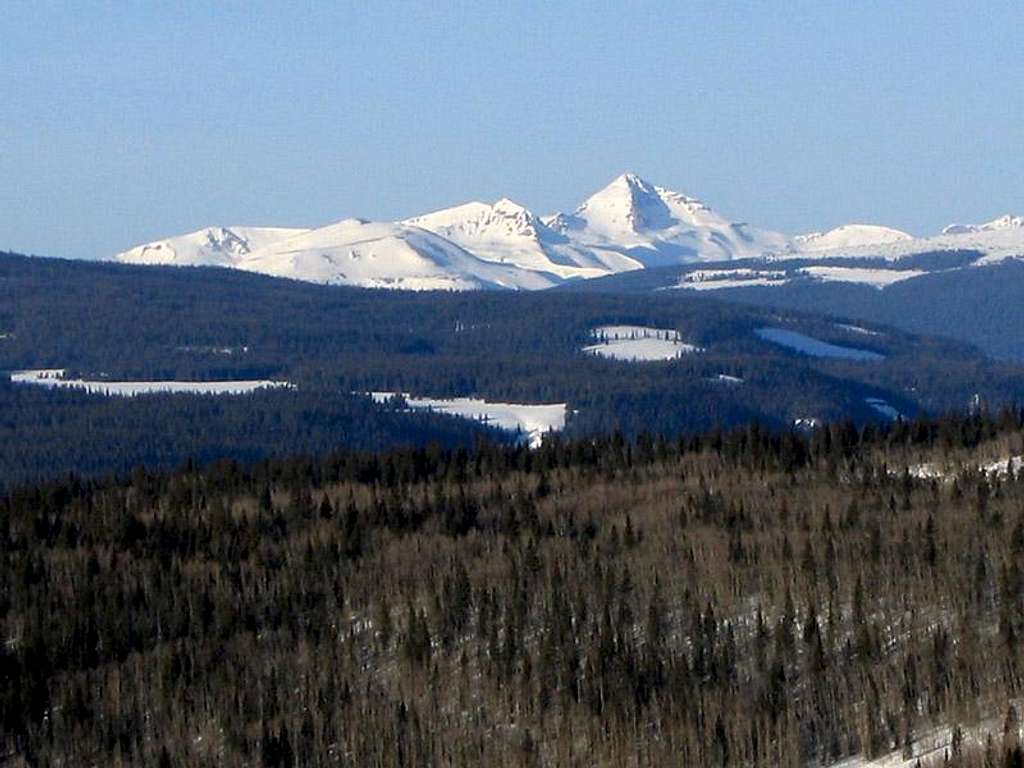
point(736, 599)
point(113, 322)
point(983, 306)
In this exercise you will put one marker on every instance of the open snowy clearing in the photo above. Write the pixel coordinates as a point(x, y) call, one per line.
point(809, 345)
point(638, 343)
point(717, 279)
point(725, 378)
point(876, 278)
point(744, 277)
point(529, 422)
point(883, 408)
point(858, 329)
point(54, 379)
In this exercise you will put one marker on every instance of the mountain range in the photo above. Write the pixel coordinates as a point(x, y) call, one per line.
point(628, 225)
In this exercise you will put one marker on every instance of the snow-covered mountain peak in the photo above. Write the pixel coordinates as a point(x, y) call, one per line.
point(501, 219)
point(628, 203)
point(210, 246)
point(628, 224)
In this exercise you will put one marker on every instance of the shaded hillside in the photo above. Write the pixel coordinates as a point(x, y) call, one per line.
point(983, 306)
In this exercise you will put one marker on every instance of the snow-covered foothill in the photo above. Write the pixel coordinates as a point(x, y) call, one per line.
point(54, 378)
point(636, 343)
point(996, 240)
point(848, 236)
point(530, 422)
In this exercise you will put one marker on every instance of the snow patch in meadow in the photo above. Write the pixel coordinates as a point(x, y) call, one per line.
point(876, 278)
point(809, 345)
point(858, 329)
point(883, 408)
point(717, 279)
point(529, 421)
point(54, 378)
point(806, 423)
point(638, 343)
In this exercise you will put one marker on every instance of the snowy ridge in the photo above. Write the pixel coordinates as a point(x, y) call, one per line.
point(385, 255)
point(508, 233)
point(996, 240)
point(211, 246)
point(848, 236)
point(627, 225)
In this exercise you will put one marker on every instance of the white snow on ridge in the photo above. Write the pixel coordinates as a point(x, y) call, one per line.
point(53, 378)
point(384, 255)
point(1005, 222)
point(629, 224)
point(848, 236)
point(211, 246)
point(638, 343)
point(997, 240)
point(529, 421)
point(508, 233)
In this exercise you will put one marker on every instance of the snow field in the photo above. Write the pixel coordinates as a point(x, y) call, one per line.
point(809, 345)
point(53, 378)
point(529, 421)
point(635, 343)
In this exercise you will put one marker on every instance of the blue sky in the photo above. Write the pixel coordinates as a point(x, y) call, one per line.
point(124, 122)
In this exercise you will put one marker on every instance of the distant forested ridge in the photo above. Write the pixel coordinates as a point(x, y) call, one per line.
point(983, 306)
point(737, 598)
point(151, 323)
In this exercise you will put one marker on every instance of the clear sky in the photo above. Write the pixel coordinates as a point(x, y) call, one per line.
point(121, 122)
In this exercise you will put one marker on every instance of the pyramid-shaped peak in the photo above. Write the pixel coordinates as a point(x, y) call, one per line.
point(628, 203)
point(509, 206)
point(633, 183)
